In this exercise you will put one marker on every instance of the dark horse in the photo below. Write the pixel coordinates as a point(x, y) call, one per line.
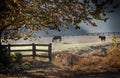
point(55, 38)
point(103, 38)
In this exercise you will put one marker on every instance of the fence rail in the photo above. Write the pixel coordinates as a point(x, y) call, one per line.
point(33, 49)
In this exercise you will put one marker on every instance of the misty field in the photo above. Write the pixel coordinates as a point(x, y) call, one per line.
point(73, 57)
point(68, 43)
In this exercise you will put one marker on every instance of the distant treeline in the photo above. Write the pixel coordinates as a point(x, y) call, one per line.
point(105, 33)
point(92, 34)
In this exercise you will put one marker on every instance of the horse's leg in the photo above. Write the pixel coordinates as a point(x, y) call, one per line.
point(101, 39)
point(52, 40)
point(104, 39)
point(60, 40)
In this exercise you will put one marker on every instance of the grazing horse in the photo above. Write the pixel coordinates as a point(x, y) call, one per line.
point(103, 38)
point(55, 38)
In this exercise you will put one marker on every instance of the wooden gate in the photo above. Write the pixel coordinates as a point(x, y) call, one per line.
point(33, 48)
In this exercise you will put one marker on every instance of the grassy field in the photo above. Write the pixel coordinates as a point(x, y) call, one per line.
point(72, 65)
point(68, 43)
point(71, 47)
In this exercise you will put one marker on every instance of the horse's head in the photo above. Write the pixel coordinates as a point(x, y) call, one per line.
point(55, 38)
point(103, 38)
point(99, 36)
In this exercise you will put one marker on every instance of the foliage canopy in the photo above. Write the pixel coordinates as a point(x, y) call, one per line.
point(16, 15)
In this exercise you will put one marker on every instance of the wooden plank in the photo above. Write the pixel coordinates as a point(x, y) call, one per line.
point(13, 45)
point(42, 50)
point(9, 49)
point(20, 50)
point(42, 56)
point(30, 50)
point(42, 44)
point(27, 55)
point(50, 52)
point(33, 50)
point(6, 45)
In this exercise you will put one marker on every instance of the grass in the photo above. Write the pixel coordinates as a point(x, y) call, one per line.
point(96, 62)
point(113, 58)
point(71, 47)
point(69, 65)
point(93, 63)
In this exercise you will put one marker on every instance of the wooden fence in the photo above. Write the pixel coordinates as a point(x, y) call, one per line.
point(33, 49)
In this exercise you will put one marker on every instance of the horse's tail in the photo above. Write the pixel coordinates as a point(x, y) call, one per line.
point(60, 39)
point(104, 38)
point(53, 40)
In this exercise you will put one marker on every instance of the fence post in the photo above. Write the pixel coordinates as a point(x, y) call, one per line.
point(34, 50)
point(9, 49)
point(50, 52)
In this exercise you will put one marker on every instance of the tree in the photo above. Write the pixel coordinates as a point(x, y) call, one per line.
point(35, 15)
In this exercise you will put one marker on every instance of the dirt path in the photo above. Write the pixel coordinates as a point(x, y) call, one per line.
point(47, 70)
point(51, 71)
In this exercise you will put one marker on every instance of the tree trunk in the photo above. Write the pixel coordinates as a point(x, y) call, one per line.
point(0, 37)
point(1, 31)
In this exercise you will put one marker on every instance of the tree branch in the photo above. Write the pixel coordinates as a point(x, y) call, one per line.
point(5, 27)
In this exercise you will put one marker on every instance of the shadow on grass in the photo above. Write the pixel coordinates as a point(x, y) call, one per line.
point(47, 70)
point(70, 74)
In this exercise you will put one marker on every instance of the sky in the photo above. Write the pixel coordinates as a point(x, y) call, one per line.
point(112, 25)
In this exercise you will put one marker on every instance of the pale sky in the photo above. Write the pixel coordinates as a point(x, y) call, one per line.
point(112, 25)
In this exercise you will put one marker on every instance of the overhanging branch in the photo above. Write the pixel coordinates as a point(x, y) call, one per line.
point(2, 29)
